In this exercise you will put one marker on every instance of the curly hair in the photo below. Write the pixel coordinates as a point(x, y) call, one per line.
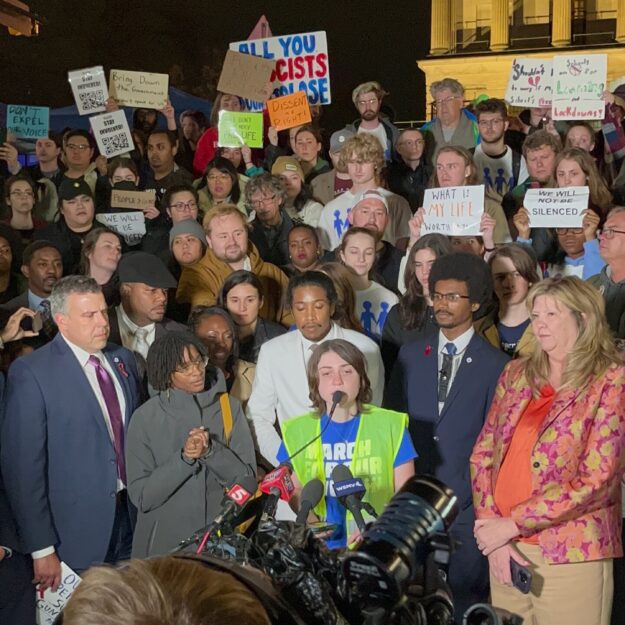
point(363, 147)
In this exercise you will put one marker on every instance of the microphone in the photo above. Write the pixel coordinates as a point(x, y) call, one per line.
point(337, 398)
point(276, 485)
point(310, 497)
point(349, 492)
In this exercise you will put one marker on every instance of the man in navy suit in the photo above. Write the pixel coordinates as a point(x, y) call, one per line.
point(446, 384)
point(67, 408)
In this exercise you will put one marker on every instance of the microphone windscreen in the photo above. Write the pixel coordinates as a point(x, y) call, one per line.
point(312, 493)
point(337, 397)
point(341, 472)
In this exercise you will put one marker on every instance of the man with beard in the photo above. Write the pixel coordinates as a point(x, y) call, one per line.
point(446, 384)
point(502, 167)
point(367, 99)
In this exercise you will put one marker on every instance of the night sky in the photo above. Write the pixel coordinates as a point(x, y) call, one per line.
point(366, 40)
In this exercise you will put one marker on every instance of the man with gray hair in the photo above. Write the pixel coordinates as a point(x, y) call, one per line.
point(453, 124)
point(367, 98)
point(67, 409)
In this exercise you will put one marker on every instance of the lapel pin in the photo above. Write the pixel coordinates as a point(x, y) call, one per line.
point(116, 359)
point(469, 360)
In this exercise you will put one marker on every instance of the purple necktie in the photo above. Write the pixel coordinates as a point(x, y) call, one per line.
point(107, 387)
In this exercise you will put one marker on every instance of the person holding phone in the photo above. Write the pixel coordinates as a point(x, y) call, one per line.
point(548, 464)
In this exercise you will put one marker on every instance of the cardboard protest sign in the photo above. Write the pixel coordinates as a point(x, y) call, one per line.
point(236, 129)
point(556, 208)
point(301, 64)
point(137, 200)
point(51, 604)
point(89, 89)
point(578, 82)
point(246, 76)
point(530, 83)
point(130, 225)
point(139, 89)
point(454, 211)
point(28, 122)
point(289, 111)
point(112, 133)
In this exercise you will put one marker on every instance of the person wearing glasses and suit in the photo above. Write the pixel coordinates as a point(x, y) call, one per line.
point(446, 382)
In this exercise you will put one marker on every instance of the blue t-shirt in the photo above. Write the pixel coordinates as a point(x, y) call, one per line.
point(509, 337)
point(338, 443)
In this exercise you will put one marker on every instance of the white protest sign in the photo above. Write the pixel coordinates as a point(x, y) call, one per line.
point(301, 65)
point(454, 211)
point(530, 83)
point(50, 604)
point(139, 89)
point(129, 225)
point(89, 89)
point(556, 208)
point(578, 82)
point(112, 133)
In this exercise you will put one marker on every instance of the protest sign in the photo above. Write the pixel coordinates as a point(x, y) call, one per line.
point(578, 82)
point(137, 200)
point(530, 83)
point(139, 89)
point(454, 211)
point(50, 604)
point(130, 225)
point(111, 133)
point(301, 64)
point(556, 208)
point(246, 76)
point(237, 129)
point(289, 111)
point(28, 122)
point(89, 89)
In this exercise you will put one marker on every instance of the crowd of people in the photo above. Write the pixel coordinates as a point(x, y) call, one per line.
point(143, 373)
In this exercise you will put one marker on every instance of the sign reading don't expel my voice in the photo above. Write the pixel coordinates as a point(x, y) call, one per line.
point(454, 211)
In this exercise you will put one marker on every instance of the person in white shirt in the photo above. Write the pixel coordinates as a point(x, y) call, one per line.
point(280, 387)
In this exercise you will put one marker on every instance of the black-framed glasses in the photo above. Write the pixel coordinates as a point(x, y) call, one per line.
point(609, 233)
point(448, 297)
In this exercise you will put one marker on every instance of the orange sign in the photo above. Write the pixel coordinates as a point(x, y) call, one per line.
point(289, 111)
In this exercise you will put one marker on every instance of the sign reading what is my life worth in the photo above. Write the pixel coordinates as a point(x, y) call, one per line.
point(556, 208)
point(139, 89)
point(530, 83)
point(301, 64)
point(137, 200)
point(454, 211)
point(236, 129)
point(578, 82)
point(28, 122)
point(289, 111)
point(112, 133)
point(89, 89)
point(50, 604)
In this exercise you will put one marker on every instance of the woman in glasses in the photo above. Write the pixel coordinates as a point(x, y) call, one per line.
point(219, 185)
point(184, 446)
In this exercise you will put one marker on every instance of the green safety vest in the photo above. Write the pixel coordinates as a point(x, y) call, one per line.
point(378, 439)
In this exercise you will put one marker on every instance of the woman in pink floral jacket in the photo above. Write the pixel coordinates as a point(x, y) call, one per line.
point(547, 465)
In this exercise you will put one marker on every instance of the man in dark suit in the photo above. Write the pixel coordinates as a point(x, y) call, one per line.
point(62, 458)
point(446, 384)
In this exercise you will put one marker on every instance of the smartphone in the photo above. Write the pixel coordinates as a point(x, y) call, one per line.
point(521, 576)
point(321, 527)
point(32, 324)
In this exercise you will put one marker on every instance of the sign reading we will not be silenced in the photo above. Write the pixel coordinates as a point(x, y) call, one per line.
point(237, 129)
point(530, 83)
point(454, 211)
point(301, 64)
point(28, 122)
point(556, 208)
point(139, 89)
point(131, 225)
point(289, 111)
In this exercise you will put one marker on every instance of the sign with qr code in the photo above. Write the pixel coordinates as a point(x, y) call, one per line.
point(89, 89)
point(112, 133)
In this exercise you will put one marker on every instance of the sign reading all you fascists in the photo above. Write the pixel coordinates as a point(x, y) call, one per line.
point(454, 211)
point(556, 208)
point(301, 64)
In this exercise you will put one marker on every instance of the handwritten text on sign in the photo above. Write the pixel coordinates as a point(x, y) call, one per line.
point(237, 129)
point(289, 111)
point(530, 83)
point(454, 211)
point(139, 89)
point(301, 64)
point(28, 122)
point(138, 200)
point(51, 603)
point(578, 82)
point(112, 133)
point(556, 208)
point(89, 89)
point(131, 225)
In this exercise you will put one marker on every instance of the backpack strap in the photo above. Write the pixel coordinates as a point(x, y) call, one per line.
point(226, 415)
